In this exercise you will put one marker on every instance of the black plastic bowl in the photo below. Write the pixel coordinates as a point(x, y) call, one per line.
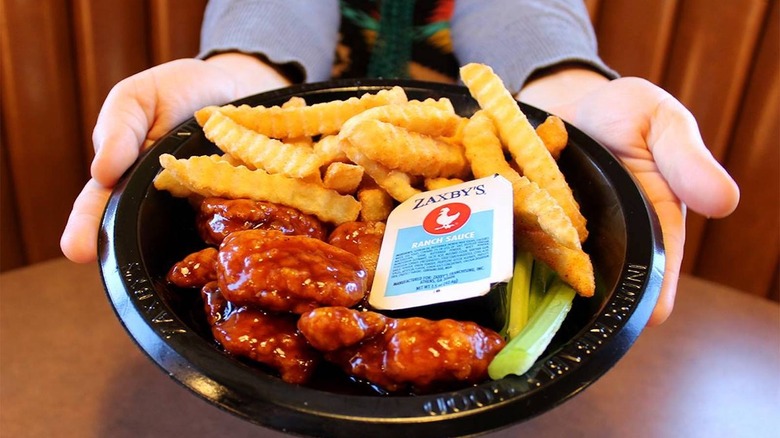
point(145, 231)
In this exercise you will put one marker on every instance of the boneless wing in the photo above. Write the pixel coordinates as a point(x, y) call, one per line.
point(398, 354)
point(364, 239)
point(271, 339)
point(283, 273)
point(218, 217)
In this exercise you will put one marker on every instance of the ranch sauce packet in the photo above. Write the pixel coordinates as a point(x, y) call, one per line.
point(446, 245)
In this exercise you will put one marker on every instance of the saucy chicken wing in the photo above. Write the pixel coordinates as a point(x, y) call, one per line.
point(271, 339)
point(195, 270)
point(218, 217)
point(398, 354)
point(364, 239)
point(283, 273)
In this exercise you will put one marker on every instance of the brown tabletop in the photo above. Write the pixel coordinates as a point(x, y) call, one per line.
point(68, 369)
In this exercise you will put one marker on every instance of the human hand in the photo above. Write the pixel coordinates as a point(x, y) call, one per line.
point(141, 109)
point(657, 139)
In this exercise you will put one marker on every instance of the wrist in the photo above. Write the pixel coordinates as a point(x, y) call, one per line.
point(252, 74)
point(559, 85)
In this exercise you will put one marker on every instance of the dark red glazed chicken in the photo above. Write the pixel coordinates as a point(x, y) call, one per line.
point(271, 339)
point(364, 239)
point(218, 217)
point(399, 354)
point(283, 273)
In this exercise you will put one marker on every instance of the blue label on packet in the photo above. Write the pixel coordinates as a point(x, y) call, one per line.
point(446, 245)
point(432, 262)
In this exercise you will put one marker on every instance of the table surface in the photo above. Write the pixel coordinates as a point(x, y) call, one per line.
point(68, 369)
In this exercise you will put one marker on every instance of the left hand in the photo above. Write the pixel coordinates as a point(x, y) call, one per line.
point(657, 139)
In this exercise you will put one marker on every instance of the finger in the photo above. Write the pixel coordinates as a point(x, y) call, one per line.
point(121, 128)
point(682, 157)
point(79, 239)
point(672, 219)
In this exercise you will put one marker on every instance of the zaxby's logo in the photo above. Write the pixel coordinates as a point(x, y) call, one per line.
point(446, 218)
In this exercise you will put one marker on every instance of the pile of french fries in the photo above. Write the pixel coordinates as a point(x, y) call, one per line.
point(355, 159)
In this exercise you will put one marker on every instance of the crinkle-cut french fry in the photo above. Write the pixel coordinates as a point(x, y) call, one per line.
point(207, 176)
point(442, 103)
point(428, 118)
point(532, 205)
point(554, 135)
point(165, 180)
point(342, 177)
point(520, 138)
point(329, 150)
point(317, 119)
point(260, 151)
point(294, 102)
point(410, 152)
point(231, 159)
point(440, 183)
point(540, 223)
point(574, 266)
point(297, 102)
point(397, 184)
point(376, 203)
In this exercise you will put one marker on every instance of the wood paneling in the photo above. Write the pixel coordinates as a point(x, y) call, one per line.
point(40, 120)
point(635, 36)
point(593, 8)
point(112, 42)
point(11, 248)
point(741, 250)
point(710, 58)
point(173, 33)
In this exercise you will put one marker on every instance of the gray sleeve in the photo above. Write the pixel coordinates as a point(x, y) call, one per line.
point(301, 33)
point(518, 37)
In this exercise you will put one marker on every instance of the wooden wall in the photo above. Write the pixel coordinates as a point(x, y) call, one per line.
point(719, 57)
point(59, 60)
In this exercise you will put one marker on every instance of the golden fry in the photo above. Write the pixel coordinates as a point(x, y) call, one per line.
point(317, 119)
point(397, 184)
point(554, 135)
point(329, 150)
point(207, 176)
point(260, 151)
point(541, 225)
point(440, 183)
point(294, 102)
point(521, 139)
point(343, 178)
point(532, 205)
point(165, 180)
point(574, 266)
point(376, 203)
point(409, 152)
point(428, 117)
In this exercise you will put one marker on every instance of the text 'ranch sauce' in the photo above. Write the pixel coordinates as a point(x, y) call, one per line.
point(446, 245)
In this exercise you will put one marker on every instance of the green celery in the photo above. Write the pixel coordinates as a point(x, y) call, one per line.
point(518, 290)
point(523, 350)
point(540, 279)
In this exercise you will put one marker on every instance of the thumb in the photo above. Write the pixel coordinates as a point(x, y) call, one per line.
point(692, 172)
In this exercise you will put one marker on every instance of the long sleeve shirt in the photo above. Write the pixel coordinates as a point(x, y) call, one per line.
point(323, 39)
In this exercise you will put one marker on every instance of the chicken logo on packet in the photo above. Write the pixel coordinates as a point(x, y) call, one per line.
point(446, 245)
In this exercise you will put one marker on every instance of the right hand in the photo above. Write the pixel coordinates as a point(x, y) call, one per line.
point(141, 109)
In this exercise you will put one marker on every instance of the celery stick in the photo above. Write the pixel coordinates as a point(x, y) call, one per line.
point(521, 352)
point(540, 279)
point(518, 290)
